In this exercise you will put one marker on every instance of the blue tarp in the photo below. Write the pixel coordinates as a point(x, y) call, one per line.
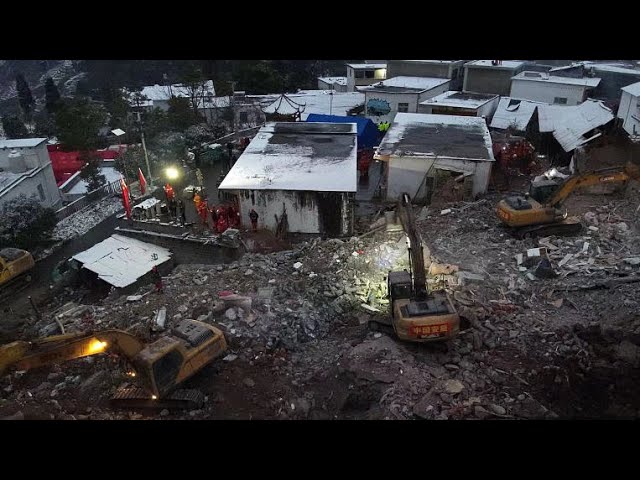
point(367, 130)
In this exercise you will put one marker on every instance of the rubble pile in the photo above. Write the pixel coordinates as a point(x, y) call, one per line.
point(84, 220)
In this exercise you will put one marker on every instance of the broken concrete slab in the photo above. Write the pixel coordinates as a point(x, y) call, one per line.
point(453, 387)
point(464, 277)
point(632, 260)
point(446, 211)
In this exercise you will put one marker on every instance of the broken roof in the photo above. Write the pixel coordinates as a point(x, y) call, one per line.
point(120, 261)
point(297, 156)
point(454, 98)
point(505, 65)
point(426, 135)
point(633, 89)
point(402, 83)
point(514, 112)
point(545, 77)
point(332, 80)
point(569, 124)
point(21, 142)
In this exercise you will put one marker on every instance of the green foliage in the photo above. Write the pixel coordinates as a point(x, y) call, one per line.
point(51, 94)
point(223, 88)
point(78, 122)
point(258, 77)
point(129, 162)
point(91, 171)
point(13, 127)
point(24, 95)
point(45, 126)
point(181, 115)
point(24, 223)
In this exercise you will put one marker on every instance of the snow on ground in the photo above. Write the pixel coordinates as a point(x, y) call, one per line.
point(81, 222)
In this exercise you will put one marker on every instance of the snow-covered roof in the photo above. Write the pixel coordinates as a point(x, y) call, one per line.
point(606, 67)
point(514, 112)
point(110, 174)
point(325, 102)
point(120, 261)
point(569, 124)
point(432, 61)
point(454, 98)
point(418, 84)
point(546, 78)
point(633, 89)
point(358, 66)
point(297, 156)
point(155, 93)
point(334, 80)
point(449, 136)
point(506, 64)
point(22, 142)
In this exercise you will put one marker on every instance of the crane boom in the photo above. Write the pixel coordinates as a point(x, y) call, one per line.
point(416, 255)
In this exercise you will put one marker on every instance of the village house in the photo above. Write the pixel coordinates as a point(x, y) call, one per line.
point(339, 84)
point(451, 69)
point(306, 170)
point(307, 102)
point(552, 89)
point(158, 96)
point(613, 79)
point(461, 103)
point(25, 168)
point(490, 76)
point(400, 94)
point(427, 155)
point(360, 74)
point(514, 114)
point(629, 110)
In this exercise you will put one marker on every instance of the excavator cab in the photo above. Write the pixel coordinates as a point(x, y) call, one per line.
point(542, 190)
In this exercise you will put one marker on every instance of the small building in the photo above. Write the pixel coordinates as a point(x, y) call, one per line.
point(423, 152)
point(158, 96)
point(552, 89)
point(490, 76)
point(307, 170)
point(461, 103)
point(339, 84)
point(613, 78)
point(400, 94)
point(324, 102)
point(629, 110)
point(361, 74)
point(451, 69)
point(25, 169)
point(76, 187)
point(514, 114)
point(122, 262)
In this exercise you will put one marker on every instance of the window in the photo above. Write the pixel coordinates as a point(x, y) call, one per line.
point(41, 193)
point(359, 74)
point(454, 74)
point(560, 100)
point(368, 73)
point(244, 117)
point(403, 107)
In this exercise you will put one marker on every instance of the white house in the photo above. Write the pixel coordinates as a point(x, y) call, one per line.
point(490, 76)
point(514, 113)
point(305, 169)
point(158, 96)
point(400, 94)
point(359, 74)
point(461, 103)
point(25, 168)
point(629, 110)
point(419, 147)
point(339, 84)
point(542, 87)
point(451, 69)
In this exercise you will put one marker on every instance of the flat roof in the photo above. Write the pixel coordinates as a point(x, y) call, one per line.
point(120, 261)
point(403, 83)
point(330, 80)
point(454, 98)
point(327, 102)
point(299, 156)
point(546, 78)
point(22, 142)
point(514, 112)
point(426, 135)
point(633, 89)
point(505, 65)
point(358, 66)
point(431, 61)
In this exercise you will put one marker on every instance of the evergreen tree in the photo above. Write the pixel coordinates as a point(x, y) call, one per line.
point(24, 95)
point(78, 122)
point(13, 127)
point(24, 222)
point(91, 171)
point(52, 95)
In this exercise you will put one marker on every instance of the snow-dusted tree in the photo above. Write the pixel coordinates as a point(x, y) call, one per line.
point(24, 96)
point(24, 222)
point(52, 95)
point(13, 127)
point(91, 171)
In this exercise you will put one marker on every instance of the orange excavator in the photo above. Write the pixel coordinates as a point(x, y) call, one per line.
point(540, 213)
point(160, 366)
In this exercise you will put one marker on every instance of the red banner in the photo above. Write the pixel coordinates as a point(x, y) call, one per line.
point(143, 182)
point(126, 201)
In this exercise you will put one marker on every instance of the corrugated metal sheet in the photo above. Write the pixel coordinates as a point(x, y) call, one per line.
point(512, 111)
point(633, 89)
point(569, 124)
point(120, 261)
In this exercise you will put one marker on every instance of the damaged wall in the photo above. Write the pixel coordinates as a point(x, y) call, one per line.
point(307, 212)
point(409, 174)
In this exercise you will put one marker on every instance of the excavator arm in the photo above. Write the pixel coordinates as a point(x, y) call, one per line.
point(416, 255)
point(597, 177)
point(60, 348)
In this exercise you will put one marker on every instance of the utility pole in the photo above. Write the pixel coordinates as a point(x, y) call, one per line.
point(144, 147)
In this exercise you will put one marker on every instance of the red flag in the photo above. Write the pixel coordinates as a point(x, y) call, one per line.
point(125, 198)
point(143, 182)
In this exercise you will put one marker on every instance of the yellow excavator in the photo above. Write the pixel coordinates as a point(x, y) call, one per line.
point(540, 213)
point(15, 265)
point(417, 315)
point(159, 366)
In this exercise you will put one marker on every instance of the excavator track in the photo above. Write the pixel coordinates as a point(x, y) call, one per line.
point(382, 325)
point(135, 397)
point(567, 228)
point(15, 286)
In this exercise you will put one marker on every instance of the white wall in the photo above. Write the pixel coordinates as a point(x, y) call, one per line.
point(432, 93)
point(407, 174)
point(627, 109)
point(301, 218)
point(29, 186)
point(488, 109)
point(546, 92)
point(33, 156)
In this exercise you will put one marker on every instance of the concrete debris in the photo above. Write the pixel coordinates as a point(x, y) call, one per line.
point(84, 220)
point(297, 265)
point(160, 319)
point(134, 298)
point(446, 211)
point(632, 260)
point(465, 278)
point(230, 358)
point(453, 387)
